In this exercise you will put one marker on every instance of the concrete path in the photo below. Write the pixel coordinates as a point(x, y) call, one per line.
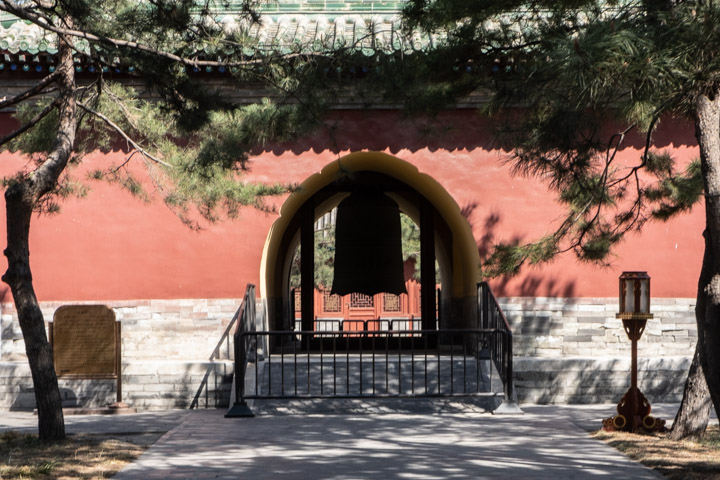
point(427, 441)
point(545, 443)
point(146, 422)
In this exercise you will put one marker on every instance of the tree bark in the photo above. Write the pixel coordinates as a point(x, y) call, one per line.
point(707, 311)
point(22, 198)
point(693, 415)
point(19, 207)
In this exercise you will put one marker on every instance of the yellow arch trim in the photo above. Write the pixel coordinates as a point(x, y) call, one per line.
point(465, 253)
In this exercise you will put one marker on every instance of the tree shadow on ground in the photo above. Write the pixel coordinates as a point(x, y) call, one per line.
point(339, 447)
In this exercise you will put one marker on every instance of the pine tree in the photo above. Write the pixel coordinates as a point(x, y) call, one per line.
point(561, 73)
point(162, 42)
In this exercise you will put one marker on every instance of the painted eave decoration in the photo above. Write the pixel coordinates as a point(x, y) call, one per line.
point(285, 26)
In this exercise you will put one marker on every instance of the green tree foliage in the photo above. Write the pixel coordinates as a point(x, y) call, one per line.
point(588, 77)
point(192, 138)
point(572, 83)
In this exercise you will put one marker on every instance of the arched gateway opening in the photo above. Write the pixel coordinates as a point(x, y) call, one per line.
point(452, 352)
point(445, 236)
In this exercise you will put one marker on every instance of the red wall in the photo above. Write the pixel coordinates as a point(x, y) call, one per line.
point(111, 246)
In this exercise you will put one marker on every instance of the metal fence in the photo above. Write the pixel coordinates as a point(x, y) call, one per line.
point(372, 358)
point(382, 366)
point(491, 316)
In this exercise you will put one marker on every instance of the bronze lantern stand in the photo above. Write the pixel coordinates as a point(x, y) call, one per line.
point(633, 410)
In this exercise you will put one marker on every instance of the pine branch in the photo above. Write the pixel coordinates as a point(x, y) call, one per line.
point(128, 115)
point(45, 3)
point(127, 138)
point(646, 151)
point(24, 14)
point(42, 4)
point(31, 92)
point(33, 121)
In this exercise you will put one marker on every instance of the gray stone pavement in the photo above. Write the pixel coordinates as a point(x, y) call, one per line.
point(145, 422)
point(429, 440)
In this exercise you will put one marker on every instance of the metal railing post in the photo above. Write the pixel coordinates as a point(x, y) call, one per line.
point(508, 368)
point(246, 324)
point(494, 319)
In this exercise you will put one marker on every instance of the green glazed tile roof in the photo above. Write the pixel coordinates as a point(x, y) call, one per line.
point(320, 6)
point(369, 25)
point(326, 6)
point(21, 37)
point(369, 33)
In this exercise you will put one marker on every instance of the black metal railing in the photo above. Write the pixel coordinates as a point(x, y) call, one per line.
point(339, 364)
point(371, 358)
point(223, 347)
point(491, 316)
point(242, 347)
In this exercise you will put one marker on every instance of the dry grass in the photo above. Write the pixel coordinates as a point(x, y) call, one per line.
point(24, 456)
point(692, 460)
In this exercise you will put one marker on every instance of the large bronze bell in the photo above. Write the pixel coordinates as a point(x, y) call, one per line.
point(368, 245)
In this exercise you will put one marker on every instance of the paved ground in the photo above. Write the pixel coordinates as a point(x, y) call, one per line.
point(147, 422)
point(430, 440)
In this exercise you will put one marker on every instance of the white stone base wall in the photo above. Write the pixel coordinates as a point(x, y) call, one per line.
point(146, 385)
point(576, 351)
point(566, 351)
point(151, 329)
point(587, 327)
point(166, 351)
point(597, 380)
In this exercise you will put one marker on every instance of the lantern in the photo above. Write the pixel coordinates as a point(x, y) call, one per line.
point(633, 410)
point(368, 245)
point(634, 295)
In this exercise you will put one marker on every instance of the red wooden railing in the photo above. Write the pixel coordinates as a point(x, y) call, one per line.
point(357, 306)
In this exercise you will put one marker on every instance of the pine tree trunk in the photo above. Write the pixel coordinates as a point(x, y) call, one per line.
point(707, 312)
point(694, 413)
point(19, 206)
point(22, 198)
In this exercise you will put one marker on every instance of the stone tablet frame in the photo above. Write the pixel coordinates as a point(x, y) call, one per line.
point(86, 343)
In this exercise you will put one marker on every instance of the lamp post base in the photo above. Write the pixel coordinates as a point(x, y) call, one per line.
point(634, 415)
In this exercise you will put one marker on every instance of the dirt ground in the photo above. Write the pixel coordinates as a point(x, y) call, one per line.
point(83, 456)
point(685, 460)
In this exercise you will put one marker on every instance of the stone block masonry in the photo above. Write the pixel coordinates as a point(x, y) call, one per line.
point(566, 351)
point(166, 347)
point(587, 327)
point(571, 380)
point(147, 385)
point(576, 351)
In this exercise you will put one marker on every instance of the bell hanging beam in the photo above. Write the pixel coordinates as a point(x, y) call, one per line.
point(427, 266)
point(368, 246)
point(307, 269)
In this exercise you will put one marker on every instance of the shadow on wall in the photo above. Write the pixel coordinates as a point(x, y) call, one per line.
point(213, 391)
point(584, 381)
point(73, 393)
point(8, 336)
point(87, 393)
point(23, 397)
point(462, 129)
point(5, 296)
point(533, 284)
point(391, 130)
point(536, 285)
point(215, 385)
